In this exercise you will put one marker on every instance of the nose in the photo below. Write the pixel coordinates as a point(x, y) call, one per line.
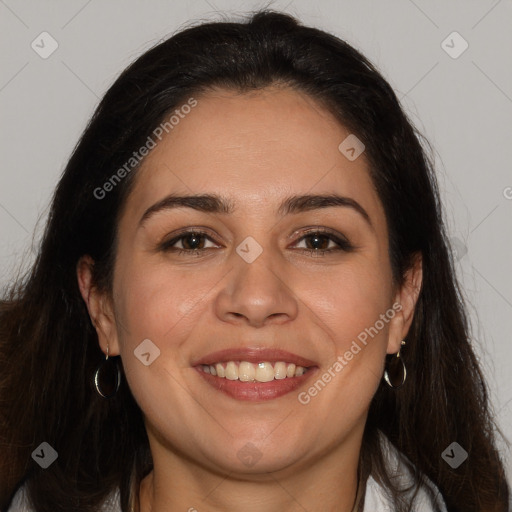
point(257, 293)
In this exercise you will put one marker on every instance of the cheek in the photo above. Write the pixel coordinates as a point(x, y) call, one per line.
point(351, 315)
point(162, 306)
point(156, 302)
point(349, 302)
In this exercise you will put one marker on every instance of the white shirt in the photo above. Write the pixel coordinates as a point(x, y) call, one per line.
point(376, 499)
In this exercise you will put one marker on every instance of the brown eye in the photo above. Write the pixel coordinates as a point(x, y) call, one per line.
point(188, 242)
point(321, 242)
point(317, 241)
point(193, 241)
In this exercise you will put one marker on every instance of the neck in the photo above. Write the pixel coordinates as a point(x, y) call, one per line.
point(328, 483)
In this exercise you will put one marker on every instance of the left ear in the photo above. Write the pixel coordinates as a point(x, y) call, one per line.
point(406, 297)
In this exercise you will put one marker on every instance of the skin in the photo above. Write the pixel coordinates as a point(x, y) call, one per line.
point(256, 149)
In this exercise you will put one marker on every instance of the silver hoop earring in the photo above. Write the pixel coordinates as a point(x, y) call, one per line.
point(97, 374)
point(398, 361)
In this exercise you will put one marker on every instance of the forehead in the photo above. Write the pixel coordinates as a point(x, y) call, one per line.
point(253, 147)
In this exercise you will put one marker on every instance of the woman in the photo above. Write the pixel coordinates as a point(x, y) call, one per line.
point(244, 298)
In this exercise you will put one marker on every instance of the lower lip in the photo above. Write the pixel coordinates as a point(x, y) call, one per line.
point(256, 391)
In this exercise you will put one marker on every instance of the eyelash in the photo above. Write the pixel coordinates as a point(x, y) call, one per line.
point(343, 244)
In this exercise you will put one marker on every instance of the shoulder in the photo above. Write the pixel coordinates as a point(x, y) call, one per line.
point(21, 503)
point(427, 499)
point(377, 500)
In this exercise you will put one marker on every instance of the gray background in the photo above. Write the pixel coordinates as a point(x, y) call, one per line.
point(462, 105)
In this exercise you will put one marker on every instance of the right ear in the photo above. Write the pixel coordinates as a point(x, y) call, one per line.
point(99, 306)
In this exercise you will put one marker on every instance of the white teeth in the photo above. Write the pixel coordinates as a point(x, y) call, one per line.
point(249, 372)
point(299, 371)
point(231, 371)
point(246, 372)
point(280, 370)
point(220, 370)
point(264, 372)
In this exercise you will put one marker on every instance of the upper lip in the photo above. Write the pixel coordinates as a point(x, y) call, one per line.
point(253, 355)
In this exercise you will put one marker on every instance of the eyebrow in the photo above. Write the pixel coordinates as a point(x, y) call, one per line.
point(212, 203)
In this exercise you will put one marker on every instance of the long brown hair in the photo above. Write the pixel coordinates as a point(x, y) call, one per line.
point(49, 348)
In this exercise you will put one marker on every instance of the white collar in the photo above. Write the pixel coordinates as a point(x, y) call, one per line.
point(377, 498)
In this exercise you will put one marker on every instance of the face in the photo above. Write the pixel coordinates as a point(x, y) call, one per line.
point(248, 276)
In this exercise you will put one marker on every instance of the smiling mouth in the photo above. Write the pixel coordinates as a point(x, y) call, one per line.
point(245, 371)
point(255, 382)
point(254, 373)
